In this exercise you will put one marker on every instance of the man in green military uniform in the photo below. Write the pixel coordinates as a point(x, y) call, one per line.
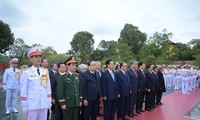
point(69, 91)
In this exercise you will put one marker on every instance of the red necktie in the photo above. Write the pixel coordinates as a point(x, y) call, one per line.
point(135, 73)
point(143, 74)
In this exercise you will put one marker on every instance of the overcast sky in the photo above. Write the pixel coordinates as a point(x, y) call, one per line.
point(54, 22)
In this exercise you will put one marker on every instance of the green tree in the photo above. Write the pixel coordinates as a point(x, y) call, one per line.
point(110, 48)
point(56, 58)
point(83, 45)
point(150, 60)
point(133, 37)
point(98, 55)
point(183, 52)
point(6, 37)
point(48, 51)
point(124, 52)
point(194, 44)
point(149, 49)
point(160, 38)
point(19, 49)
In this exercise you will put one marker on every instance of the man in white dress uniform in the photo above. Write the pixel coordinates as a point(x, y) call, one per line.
point(11, 78)
point(35, 88)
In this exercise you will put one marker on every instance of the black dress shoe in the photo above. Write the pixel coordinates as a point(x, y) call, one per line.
point(161, 103)
point(100, 114)
point(138, 112)
point(135, 114)
point(126, 118)
point(147, 109)
point(130, 115)
point(142, 110)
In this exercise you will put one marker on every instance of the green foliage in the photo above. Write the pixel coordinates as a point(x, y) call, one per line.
point(160, 38)
point(150, 60)
point(133, 37)
point(197, 60)
point(6, 37)
point(19, 49)
point(4, 59)
point(149, 49)
point(56, 58)
point(125, 54)
point(48, 51)
point(83, 45)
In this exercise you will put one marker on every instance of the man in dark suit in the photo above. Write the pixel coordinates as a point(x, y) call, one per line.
point(91, 91)
point(55, 101)
point(123, 84)
point(151, 84)
point(155, 71)
point(133, 77)
point(53, 69)
point(99, 71)
point(141, 87)
point(110, 90)
point(161, 88)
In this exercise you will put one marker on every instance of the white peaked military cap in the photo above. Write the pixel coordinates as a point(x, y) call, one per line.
point(14, 60)
point(34, 51)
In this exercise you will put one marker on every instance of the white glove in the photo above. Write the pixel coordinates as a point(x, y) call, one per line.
point(25, 109)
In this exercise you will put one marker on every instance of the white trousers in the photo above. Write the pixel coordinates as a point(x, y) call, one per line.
point(185, 85)
point(177, 81)
point(11, 99)
point(40, 114)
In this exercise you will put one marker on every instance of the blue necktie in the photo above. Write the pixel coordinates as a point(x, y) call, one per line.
point(113, 77)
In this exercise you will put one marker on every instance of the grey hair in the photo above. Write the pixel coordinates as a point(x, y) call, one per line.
point(81, 66)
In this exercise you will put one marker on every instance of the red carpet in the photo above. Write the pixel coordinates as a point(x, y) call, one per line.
point(176, 105)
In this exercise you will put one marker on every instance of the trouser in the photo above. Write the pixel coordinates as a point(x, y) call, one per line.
point(122, 107)
point(140, 100)
point(158, 96)
point(91, 110)
point(176, 82)
point(148, 100)
point(71, 113)
point(131, 102)
point(109, 109)
point(168, 81)
point(190, 84)
point(153, 98)
point(185, 85)
point(11, 99)
point(40, 114)
point(58, 111)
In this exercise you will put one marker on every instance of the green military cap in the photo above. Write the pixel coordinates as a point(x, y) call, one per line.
point(71, 59)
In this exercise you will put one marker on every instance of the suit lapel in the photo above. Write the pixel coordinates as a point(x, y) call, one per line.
point(110, 75)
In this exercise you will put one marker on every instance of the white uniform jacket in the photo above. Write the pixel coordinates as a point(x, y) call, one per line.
point(11, 78)
point(35, 89)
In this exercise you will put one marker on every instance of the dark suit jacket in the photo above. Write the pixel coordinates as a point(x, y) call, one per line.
point(151, 81)
point(142, 80)
point(90, 86)
point(156, 81)
point(123, 84)
point(161, 82)
point(133, 80)
point(53, 80)
point(109, 86)
point(50, 72)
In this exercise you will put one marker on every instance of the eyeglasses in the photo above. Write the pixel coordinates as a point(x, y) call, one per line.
point(14, 63)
